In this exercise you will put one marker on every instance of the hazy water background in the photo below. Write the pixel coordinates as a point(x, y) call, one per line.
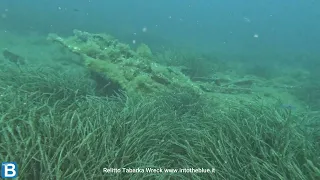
point(256, 106)
point(286, 29)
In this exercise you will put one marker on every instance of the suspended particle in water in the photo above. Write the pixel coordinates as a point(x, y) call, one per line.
point(256, 35)
point(144, 29)
point(247, 20)
point(133, 41)
point(4, 15)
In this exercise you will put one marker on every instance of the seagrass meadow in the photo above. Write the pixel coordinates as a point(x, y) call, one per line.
point(99, 103)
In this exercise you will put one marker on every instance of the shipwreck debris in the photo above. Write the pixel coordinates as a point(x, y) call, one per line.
point(13, 57)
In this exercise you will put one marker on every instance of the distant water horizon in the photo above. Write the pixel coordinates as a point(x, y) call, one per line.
point(229, 26)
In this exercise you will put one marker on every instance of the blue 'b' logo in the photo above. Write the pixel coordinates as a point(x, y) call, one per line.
point(9, 170)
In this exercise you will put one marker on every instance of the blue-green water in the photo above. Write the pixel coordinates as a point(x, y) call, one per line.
point(207, 25)
point(230, 87)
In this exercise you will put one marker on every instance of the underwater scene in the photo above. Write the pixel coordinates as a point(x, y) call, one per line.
point(221, 90)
